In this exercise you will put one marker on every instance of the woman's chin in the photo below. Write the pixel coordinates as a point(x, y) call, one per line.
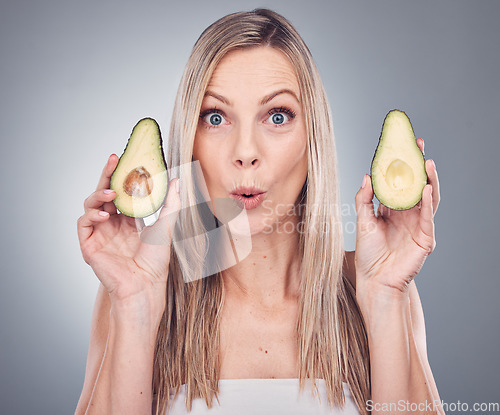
point(250, 225)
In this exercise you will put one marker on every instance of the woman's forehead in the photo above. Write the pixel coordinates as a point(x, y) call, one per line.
point(264, 67)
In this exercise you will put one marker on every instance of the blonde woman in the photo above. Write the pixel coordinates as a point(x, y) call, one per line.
point(299, 325)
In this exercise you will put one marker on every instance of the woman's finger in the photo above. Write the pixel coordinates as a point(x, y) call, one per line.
point(100, 198)
point(432, 178)
point(86, 223)
point(107, 172)
point(426, 238)
point(110, 208)
point(104, 181)
point(420, 144)
point(366, 220)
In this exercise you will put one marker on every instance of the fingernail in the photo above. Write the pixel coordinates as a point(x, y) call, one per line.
point(364, 182)
point(178, 185)
point(108, 191)
point(433, 164)
point(103, 213)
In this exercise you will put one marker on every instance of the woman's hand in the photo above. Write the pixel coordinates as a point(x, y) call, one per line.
point(392, 246)
point(114, 244)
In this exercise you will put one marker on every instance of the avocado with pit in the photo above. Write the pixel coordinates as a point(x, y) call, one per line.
point(140, 179)
point(398, 166)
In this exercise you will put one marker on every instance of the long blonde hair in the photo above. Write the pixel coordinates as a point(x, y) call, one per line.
point(332, 339)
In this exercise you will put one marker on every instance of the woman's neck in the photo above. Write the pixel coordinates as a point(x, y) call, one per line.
point(269, 276)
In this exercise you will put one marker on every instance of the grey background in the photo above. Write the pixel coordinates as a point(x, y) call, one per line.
point(76, 76)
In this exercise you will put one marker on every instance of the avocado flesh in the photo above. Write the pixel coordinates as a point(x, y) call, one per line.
point(140, 179)
point(398, 166)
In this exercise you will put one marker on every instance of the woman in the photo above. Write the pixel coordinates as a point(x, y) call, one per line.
point(252, 111)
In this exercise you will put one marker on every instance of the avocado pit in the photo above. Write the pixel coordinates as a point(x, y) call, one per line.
point(399, 175)
point(138, 183)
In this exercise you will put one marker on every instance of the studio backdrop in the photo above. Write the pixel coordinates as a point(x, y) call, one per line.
point(76, 76)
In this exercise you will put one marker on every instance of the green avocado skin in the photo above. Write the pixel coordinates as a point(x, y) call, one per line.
point(374, 175)
point(116, 185)
point(159, 133)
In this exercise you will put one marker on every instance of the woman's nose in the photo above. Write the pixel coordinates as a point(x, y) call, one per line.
point(246, 153)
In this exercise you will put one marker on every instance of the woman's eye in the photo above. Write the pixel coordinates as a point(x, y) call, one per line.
point(280, 116)
point(277, 116)
point(214, 119)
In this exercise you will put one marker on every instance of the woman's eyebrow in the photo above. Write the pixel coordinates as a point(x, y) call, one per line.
point(269, 97)
point(264, 100)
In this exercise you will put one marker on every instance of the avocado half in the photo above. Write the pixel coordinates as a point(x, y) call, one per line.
point(398, 166)
point(140, 179)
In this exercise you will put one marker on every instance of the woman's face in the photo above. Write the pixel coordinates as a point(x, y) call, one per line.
point(251, 136)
